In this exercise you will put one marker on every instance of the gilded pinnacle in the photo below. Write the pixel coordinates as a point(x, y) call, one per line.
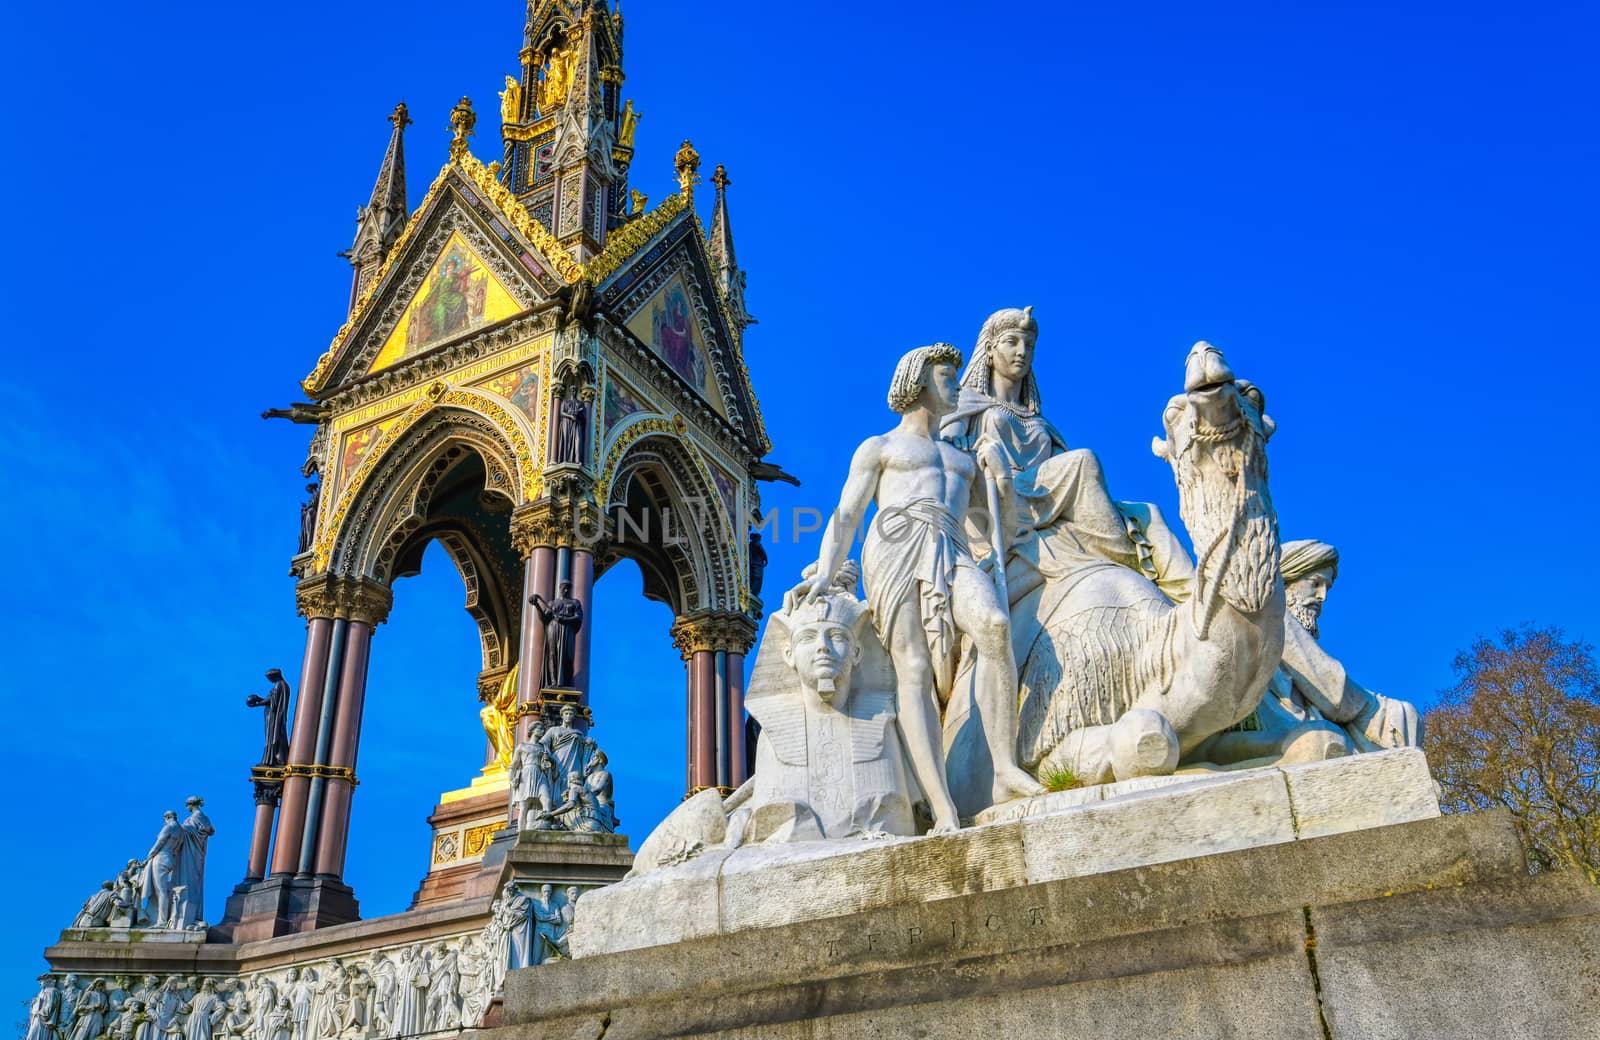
point(462, 120)
point(687, 163)
point(400, 117)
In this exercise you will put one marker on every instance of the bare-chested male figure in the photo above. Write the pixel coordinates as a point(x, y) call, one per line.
point(923, 585)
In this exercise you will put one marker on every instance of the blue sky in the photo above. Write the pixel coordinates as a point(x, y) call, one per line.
point(1384, 214)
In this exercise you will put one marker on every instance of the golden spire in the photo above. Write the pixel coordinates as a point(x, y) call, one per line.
point(462, 120)
point(687, 163)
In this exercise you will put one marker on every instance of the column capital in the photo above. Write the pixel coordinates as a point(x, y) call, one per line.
point(268, 783)
point(567, 517)
point(713, 631)
point(339, 596)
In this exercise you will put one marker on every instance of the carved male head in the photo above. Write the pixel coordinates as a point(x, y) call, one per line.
point(569, 715)
point(546, 892)
point(572, 893)
point(566, 589)
point(170, 816)
point(927, 376)
point(824, 643)
point(274, 674)
point(1309, 570)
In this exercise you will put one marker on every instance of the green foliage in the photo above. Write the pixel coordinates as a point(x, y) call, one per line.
point(1520, 730)
point(1059, 778)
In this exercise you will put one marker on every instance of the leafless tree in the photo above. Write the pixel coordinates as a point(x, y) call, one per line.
point(1521, 730)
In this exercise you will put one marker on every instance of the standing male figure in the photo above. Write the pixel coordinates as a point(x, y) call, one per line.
point(923, 585)
point(275, 748)
point(562, 617)
point(160, 862)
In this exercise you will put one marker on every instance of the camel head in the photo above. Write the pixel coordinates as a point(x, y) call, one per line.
point(1216, 443)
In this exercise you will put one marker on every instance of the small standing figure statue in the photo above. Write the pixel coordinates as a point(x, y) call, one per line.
point(758, 563)
point(571, 424)
point(308, 516)
point(562, 618)
point(160, 862)
point(275, 749)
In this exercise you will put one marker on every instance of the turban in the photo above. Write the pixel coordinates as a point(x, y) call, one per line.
point(1306, 557)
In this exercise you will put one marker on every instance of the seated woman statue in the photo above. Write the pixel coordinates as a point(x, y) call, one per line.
point(1065, 517)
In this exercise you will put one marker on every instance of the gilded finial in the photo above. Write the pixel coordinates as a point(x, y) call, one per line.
point(462, 120)
point(400, 117)
point(720, 177)
point(687, 163)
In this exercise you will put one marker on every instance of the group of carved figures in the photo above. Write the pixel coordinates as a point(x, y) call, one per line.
point(1022, 628)
point(559, 780)
point(433, 986)
point(165, 889)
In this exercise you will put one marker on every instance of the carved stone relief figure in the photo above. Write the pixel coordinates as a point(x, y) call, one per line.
point(43, 1011)
point(97, 909)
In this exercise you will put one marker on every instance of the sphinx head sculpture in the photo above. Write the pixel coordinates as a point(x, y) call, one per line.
point(824, 644)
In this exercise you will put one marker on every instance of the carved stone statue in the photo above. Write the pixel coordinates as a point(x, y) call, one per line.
point(43, 1011)
point(829, 761)
point(97, 909)
point(534, 782)
point(1310, 693)
point(191, 867)
point(280, 1022)
point(160, 864)
point(572, 421)
point(300, 990)
point(275, 747)
point(205, 1011)
point(758, 563)
point(565, 744)
point(308, 516)
point(1082, 619)
point(924, 588)
point(516, 911)
point(557, 940)
point(562, 618)
point(546, 924)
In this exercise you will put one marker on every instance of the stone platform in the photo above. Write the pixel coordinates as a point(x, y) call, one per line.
point(1056, 836)
point(1422, 930)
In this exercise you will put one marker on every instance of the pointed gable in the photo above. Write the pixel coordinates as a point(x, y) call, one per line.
point(459, 294)
point(467, 214)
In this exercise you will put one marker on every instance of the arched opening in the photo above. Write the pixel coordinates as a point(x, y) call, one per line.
point(637, 696)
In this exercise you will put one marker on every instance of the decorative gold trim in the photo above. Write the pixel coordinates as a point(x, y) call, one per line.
point(345, 773)
point(631, 238)
point(502, 197)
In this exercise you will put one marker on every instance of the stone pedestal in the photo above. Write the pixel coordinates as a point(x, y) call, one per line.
point(284, 905)
point(559, 858)
point(464, 823)
point(1423, 930)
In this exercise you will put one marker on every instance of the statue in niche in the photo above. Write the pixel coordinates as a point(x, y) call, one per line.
point(558, 75)
point(924, 587)
point(97, 909)
point(572, 423)
point(562, 617)
point(191, 867)
point(44, 1009)
point(511, 101)
point(1311, 709)
point(275, 748)
point(758, 563)
point(629, 124)
point(308, 516)
point(160, 865)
